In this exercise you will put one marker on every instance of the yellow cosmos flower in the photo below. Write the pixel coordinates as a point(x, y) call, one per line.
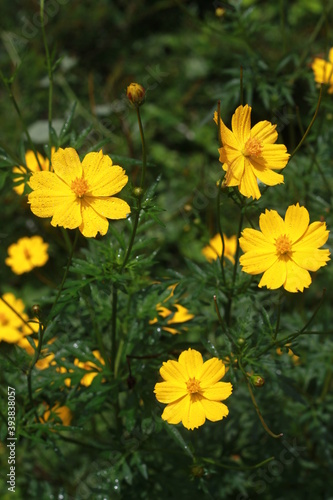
point(90, 367)
point(79, 194)
point(181, 315)
point(26, 254)
point(12, 328)
point(323, 70)
point(192, 390)
point(32, 166)
point(284, 250)
point(214, 249)
point(58, 412)
point(248, 154)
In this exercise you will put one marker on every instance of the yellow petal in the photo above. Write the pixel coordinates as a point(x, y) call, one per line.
point(297, 278)
point(104, 179)
point(226, 137)
point(173, 371)
point(264, 132)
point(266, 175)
point(214, 411)
point(274, 156)
point(193, 412)
point(67, 214)
point(254, 240)
point(66, 164)
point(271, 225)
point(218, 391)
point(173, 413)
point(111, 208)
point(181, 315)
point(311, 259)
point(330, 55)
point(192, 361)
point(10, 334)
point(92, 222)
point(169, 392)
point(315, 236)
point(257, 261)
point(296, 221)
point(248, 185)
point(211, 372)
point(237, 166)
point(241, 124)
point(275, 276)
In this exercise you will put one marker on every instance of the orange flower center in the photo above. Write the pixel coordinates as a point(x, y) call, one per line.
point(27, 254)
point(283, 245)
point(193, 386)
point(3, 319)
point(253, 147)
point(79, 186)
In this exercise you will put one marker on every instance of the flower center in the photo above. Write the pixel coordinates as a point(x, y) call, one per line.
point(3, 319)
point(27, 254)
point(253, 147)
point(193, 386)
point(79, 186)
point(283, 244)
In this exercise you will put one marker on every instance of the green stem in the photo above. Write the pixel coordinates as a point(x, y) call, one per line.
point(310, 125)
point(25, 128)
point(278, 315)
point(143, 175)
point(265, 426)
point(223, 325)
point(49, 70)
point(241, 467)
point(114, 330)
point(33, 362)
point(234, 274)
point(65, 273)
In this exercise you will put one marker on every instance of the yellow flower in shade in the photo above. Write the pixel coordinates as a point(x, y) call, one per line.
point(12, 327)
point(79, 194)
point(90, 367)
point(58, 412)
point(323, 70)
point(294, 357)
point(32, 166)
point(284, 250)
point(214, 249)
point(45, 360)
point(181, 315)
point(248, 154)
point(192, 390)
point(26, 254)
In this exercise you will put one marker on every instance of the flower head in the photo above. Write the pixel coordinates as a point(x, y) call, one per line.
point(90, 367)
point(12, 326)
point(214, 249)
point(181, 315)
point(26, 254)
point(135, 93)
point(323, 70)
point(248, 154)
point(79, 194)
point(32, 166)
point(285, 250)
point(192, 390)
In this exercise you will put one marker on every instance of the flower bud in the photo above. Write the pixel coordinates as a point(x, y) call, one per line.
point(136, 94)
point(137, 192)
point(36, 310)
point(257, 380)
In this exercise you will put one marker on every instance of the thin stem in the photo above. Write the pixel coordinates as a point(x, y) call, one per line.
point(218, 213)
point(310, 125)
point(223, 325)
point(25, 128)
point(278, 315)
point(241, 467)
point(49, 70)
point(65, 273)
point(33, 362)
point(234, 274)
point(114, 330)
point(265, 426)
point(143, 175)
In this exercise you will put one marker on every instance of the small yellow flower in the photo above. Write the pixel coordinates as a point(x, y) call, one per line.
point(181, 315)
point(79, 194)
point(32, 166)
point(323, 70)
point(296, 359)
point(248, 154)
point(284, 250)
point(192, 391)
point(90, 367)
point(214, 249)
point(135, 93)
point(12, 327)
point(45, 360)
point(61, 412)
point(26, 254)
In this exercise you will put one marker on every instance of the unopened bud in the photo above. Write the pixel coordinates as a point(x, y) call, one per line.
point(136, 94)
point(257, 380)
point(137, 192)
point(36, 310)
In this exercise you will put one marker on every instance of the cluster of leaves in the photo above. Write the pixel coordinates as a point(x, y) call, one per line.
point(117, 445)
